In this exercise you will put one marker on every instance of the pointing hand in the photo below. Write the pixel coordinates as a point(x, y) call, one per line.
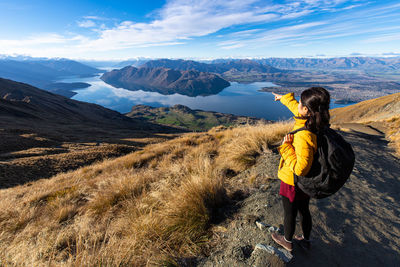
point(277, 97)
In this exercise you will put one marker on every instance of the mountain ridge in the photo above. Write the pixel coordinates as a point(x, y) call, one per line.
point(243, 65)
point(166, 81)
point(42, 134)
point(343, 63)
point(45, 73)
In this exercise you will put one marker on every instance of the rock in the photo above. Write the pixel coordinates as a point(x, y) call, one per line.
point(273, 229)
point(269, 249)
point(263, 187)
point(283, 254)
point(261, 225)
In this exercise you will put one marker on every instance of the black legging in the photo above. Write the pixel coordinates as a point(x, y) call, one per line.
point(290, 213)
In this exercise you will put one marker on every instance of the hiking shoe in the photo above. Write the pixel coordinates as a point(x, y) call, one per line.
point(298, 237)
point(305, 244)
point(280, 239)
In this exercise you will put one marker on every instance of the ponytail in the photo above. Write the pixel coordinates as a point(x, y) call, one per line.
point(317, 100)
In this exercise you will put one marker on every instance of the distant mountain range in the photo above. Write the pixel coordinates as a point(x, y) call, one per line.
point(265, 64)
point(341, 63)
point(166, 80)
point(351, 78)
point(43, 73)
point(241, 65)
point(131, 62)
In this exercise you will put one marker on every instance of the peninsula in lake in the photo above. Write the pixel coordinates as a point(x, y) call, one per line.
point(166, 81)
point(195, 120)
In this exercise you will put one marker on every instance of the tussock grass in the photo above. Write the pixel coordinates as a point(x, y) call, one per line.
point(393, 133)
point(383, 110)
point(247, 143)
point(149, 207)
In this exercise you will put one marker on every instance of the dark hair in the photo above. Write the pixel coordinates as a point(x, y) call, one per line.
point(317, 100)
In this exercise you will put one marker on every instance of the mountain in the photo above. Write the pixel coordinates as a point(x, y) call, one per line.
point(183, 116)
point(29, 106)
point(241, 65)
point(131, 62)
point(42, 134)
point(341, 63)
point(43, 73)
point(166, 81)
point(247, 65)
point(180, 64)
point(45, 106)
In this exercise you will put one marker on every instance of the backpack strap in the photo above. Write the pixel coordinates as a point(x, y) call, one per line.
point(298, 130)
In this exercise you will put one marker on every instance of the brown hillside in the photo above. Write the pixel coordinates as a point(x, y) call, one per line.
point(42, 134)
point(149, 207)
point(382, 114)
point(378, 109)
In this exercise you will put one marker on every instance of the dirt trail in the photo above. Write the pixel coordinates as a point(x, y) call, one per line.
point(358, 226)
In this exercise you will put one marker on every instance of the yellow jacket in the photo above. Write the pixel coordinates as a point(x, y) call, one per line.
point(296, 157)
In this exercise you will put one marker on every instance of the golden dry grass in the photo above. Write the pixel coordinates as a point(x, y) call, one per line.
point(393, 132)
point(149, 207)
point(383, 110)
point(377, 109)
point(26, 155)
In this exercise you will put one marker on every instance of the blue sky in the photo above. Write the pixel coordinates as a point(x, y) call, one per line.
point(199, 29)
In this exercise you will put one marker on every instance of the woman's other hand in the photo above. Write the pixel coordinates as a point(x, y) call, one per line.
point(277, 97)
point(288, 139)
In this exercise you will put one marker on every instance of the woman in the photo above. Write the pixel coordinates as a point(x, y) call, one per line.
point(297, 153)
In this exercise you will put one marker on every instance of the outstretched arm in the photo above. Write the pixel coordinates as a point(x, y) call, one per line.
point(291, 103)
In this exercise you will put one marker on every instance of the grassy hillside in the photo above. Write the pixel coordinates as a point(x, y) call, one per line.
point(149, 207)
point(382, 113)
point(42, 134)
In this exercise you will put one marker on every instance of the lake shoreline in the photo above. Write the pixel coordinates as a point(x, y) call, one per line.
point(238, 99)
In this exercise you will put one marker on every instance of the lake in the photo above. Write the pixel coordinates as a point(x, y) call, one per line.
point(239, 99)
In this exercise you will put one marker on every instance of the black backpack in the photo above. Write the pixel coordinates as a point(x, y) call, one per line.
point(332, 165)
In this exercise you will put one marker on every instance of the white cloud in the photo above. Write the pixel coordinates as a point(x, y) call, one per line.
point(235, 46)
point(94, 18)
point(334, 28)
point(383, 38)
point(86, 24)
point(34, 40)
point(180, 21)
point(187, 19)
